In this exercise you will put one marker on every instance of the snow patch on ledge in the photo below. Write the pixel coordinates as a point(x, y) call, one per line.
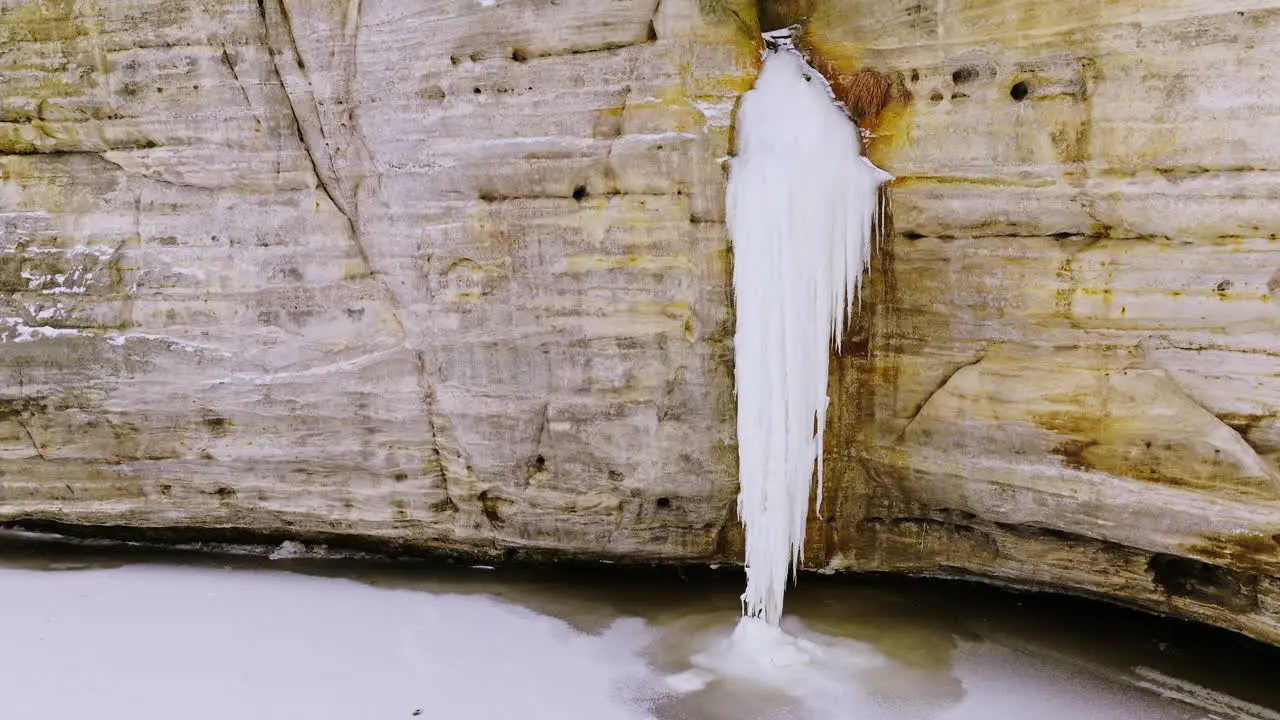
point(16, 330)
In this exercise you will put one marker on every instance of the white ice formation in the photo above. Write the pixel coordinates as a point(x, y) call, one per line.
point(802, 205)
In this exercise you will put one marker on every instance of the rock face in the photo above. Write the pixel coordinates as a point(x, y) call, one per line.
point(1071, 374)
point(447, 274)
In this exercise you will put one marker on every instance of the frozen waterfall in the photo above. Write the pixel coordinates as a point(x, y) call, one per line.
point(802, 206)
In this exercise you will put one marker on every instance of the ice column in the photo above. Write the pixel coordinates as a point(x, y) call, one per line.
point(802, 205)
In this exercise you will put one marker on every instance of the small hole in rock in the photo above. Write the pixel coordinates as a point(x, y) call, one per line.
point(475, 90)
point(477, 56)
point(454, 60)
point(1223, 286)
point(664, 502)
point(915, 76)
point(936, 96)
point(1204, 582)
point(1019, 90)
point(519, 55)
point(964, 75)
point(580, 192)
point(401, 476)
point(540, 461)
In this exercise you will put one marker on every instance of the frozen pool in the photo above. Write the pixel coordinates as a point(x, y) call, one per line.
point(140, 634)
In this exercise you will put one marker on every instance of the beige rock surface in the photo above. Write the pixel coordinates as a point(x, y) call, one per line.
point(448, 274)
point(1071, 376)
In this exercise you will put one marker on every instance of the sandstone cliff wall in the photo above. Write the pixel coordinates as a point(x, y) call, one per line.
point(451, 274)
point(1072, 372)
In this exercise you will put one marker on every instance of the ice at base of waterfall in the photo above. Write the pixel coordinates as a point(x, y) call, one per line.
point(156, 642)
point(759, 652)
point(759, 670)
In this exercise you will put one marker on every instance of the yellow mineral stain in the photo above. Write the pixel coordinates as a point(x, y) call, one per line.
point(990, 181)
point(1258, 551)
point(587, 263)
point(355, 267)
point(891, 134)
point(675, 114)
point(678, 310)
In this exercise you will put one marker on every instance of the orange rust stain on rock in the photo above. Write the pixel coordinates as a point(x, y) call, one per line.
point(878, 101)
point(1248, 550)
point(777, 14)
point(866, 93)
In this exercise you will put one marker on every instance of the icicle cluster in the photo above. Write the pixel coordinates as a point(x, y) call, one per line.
point(802, 203)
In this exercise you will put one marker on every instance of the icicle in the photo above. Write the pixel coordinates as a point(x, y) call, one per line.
point(802, 206)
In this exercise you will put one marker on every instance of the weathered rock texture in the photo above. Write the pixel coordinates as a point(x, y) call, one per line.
point(1071, 373)
point(440, 272)
point(451, 275)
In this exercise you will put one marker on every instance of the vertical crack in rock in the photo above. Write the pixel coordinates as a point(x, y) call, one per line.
point(449, 504)
point(542, 446)
point(320, 147)
point(27, 431)
point(331, 155)
point(235, 74)
point(653, 22)
point(283, 47)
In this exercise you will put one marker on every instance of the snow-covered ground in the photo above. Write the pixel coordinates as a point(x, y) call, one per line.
point(162, 642)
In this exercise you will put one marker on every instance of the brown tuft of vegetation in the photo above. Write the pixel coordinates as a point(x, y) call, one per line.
point(865, 92)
